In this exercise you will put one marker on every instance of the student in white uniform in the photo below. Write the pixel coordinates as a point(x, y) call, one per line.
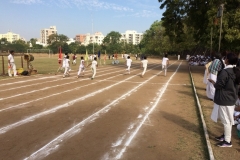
point(144, 65)
point(165, 63)
point(11, 65)
point(81, 67)
point(128, 63)
point(94, 66)
point(67, 67)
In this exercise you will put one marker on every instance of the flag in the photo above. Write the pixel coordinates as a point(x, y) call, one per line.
point(60, 55)
point(86, 56)
point(99, 54)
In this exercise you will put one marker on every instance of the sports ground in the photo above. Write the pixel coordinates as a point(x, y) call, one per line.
point(114, 116)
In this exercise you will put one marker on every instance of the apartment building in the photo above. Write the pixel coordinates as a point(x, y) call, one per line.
point(131, 36)
point(45, 33)
point(10, 36)
point(80, 38)
point(86, 39)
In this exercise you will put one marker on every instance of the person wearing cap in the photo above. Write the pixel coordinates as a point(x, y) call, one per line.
point(11, 65)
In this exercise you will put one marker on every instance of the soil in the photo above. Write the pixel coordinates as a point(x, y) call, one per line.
point(114, 116)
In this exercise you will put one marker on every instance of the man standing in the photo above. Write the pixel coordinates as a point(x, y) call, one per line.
point(11, 64)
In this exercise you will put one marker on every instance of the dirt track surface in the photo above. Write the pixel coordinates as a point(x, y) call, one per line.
point(114, 116)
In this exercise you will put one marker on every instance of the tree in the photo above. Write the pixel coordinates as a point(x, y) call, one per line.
point(200, 18)
point(111, 43)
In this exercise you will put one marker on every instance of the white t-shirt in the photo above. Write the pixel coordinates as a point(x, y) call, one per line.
point(144, 62)
point(94, 64)
point(129, 61)
point(164, 61)
point(67, 62)
point(64, 62)
point(10, 58)
point(82, 63)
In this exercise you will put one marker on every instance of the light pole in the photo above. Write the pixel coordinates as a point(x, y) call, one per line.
point(220, 14)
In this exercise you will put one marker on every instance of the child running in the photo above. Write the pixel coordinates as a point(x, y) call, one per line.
point(165, 63)
point(144, 65)
point(67, 66)
point(128, 63)
point(81, 67)
point(94, 66)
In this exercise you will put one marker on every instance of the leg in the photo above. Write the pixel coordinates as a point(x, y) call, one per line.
point(94, 73)
point(14, 70)
point(144, 70)
point(225, 114)
point(10, 71)
point(79, 71)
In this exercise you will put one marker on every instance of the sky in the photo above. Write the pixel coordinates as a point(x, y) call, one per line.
point(72, 17)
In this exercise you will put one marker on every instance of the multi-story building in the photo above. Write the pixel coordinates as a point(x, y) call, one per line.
point(80, 38)
point(131, 36)
point(45, 33)
point(10, 36)
point(88, 38)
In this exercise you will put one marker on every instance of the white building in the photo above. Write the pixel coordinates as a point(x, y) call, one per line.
point(10, 36)
point(45, 33)
point(95, 38)
point(131, 36)
point(71, 40)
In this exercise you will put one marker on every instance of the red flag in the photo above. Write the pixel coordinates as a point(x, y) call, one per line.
point(60, 56)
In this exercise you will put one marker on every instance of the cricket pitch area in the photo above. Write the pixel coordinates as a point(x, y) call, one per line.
point(115, 116)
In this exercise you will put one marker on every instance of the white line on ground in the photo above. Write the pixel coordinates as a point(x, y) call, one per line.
point(21, 105)
point(42, 89)
point(54, 109)
point(134, 133)
point(55, 143)
point(59, 79)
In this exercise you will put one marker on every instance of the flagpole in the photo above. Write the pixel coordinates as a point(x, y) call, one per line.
point(92, 33)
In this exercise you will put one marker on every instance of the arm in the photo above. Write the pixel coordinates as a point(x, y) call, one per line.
point(221, 80)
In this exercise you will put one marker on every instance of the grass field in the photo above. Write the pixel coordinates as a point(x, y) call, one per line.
point(44, 63)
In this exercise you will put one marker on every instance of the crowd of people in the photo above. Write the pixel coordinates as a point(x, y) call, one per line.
point(222, 79)
point(198, 60)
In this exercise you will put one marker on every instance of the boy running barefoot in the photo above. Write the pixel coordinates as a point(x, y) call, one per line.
point(67, 67)
point(144, 63)
point(81, 67)
point(94, 66)
point(128, 63)
point(165, 63)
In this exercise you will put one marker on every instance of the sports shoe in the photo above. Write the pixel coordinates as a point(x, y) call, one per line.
point(221, 138)
point(224, 144)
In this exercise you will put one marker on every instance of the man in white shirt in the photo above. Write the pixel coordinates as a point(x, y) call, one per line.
point(144, 65)
point(11, 64)
point(94, 66)
point(128, 63)
point(165, 63)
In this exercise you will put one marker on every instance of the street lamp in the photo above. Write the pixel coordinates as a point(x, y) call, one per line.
point(220, 15)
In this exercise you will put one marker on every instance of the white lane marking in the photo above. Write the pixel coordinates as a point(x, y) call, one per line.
point(51, 146)
point(42, 89)
point(6, 84)
point(59, 79)
point(54, 109)
point(133, 134)
point(19, 105)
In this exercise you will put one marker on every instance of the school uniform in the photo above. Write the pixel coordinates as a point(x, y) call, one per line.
point(11, 66)
point(164, 65)
point(94, 68)
point(67, 67)
point(144, 64)
point(81, 67)
point(129, 63)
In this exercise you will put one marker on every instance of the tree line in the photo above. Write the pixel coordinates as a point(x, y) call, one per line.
point(111, 44)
